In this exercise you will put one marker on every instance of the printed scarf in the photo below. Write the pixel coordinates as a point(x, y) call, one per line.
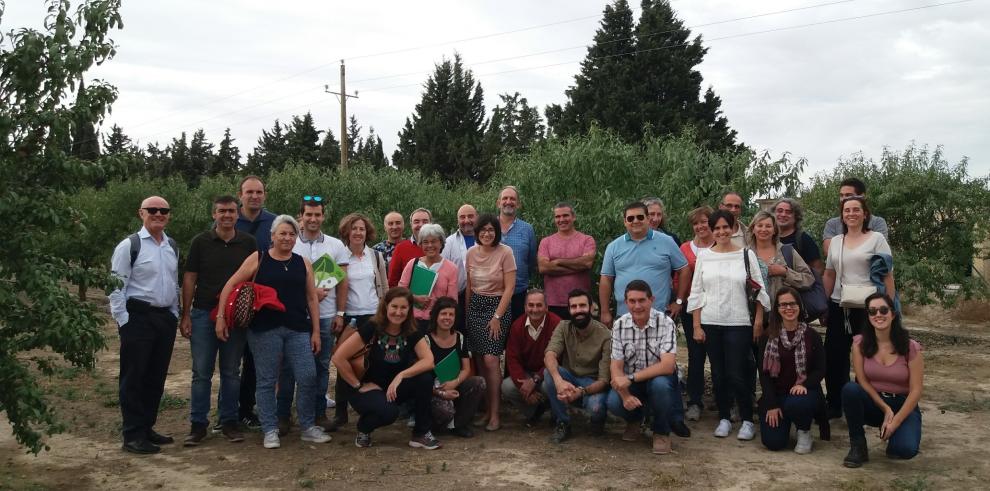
point(771, 358)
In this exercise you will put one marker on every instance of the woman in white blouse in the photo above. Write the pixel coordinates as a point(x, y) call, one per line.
point(722, 320)
point(847, 283)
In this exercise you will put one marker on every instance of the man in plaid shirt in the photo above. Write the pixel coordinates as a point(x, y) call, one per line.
point(644, 351)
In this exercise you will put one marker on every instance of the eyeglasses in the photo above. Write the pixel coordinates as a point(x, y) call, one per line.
point(788, 305)
point(878, 310)
point(635, 218)
point(313, 198)
point(154, 210)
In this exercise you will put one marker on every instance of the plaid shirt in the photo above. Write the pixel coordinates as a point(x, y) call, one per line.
point(386, 248)
point(640, 348)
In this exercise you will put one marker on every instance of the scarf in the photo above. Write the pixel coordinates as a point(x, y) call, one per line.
point(771, 358)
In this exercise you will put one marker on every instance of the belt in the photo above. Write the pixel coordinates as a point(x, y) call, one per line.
point(135, 305)
point(888, 394)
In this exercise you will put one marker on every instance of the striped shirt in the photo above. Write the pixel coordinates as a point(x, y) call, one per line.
point(640, 347)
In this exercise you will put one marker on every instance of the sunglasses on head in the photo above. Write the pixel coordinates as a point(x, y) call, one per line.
point(878, 310)
point(155, 210)
point(313, 198)
point(635, 218)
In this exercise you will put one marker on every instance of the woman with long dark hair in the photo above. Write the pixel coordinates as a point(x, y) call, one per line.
point(791, 374)
point(387, 364)
point(890, 372)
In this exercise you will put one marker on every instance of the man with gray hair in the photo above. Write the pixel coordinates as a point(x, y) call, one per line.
point(408, 249)
point(565, 259)
point(657, 215)
point(520, 237)
point(790, 215)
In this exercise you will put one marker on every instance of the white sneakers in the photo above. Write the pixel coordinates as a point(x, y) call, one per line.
point(723, 428)
point(803, 445)
point(747, 431)
point(314, 434)
point(271, 439)
point(693, 412)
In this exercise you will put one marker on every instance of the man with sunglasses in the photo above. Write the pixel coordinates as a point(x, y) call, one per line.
point(642, 254)
point(146, 308)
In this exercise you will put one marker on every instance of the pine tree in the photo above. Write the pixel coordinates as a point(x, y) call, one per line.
point(302, 140)
point(328, 155)
point(158, 162)
point(124, 158)
point(117, 143)
point(85, 142)
point(177, 154)
point(514, 127)
point(228, 158)
point(271, 152)
point(354, 141)
point(371, 151)
point(446, 133)
point(200, 158)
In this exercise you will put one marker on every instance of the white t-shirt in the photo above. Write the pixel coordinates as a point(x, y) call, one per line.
point(718, 287)
point(362, 298)
point(312, 251)
point(855, 262)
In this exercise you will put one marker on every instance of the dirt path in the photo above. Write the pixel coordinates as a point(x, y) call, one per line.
point(956, 409)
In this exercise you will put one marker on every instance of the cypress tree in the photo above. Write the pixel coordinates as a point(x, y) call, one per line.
point(228, 158)
point(302, 140)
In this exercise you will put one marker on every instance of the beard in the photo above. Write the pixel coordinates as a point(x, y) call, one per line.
point(581, 320)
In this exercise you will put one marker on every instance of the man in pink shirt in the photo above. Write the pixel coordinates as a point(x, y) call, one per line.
point(565, 259)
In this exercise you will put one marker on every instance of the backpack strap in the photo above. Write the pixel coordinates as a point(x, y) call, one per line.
point(135, 247)
point(788, 251)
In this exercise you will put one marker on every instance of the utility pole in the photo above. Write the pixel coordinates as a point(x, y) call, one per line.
point(342, 96)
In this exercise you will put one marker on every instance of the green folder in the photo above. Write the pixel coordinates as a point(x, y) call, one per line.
point(422, 280)
point(327, 272)
point(448, 368)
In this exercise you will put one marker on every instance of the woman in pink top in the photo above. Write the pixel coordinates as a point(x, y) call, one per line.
point(430, 239)
point(889, 376)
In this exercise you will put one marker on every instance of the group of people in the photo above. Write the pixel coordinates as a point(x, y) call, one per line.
point(447, 356)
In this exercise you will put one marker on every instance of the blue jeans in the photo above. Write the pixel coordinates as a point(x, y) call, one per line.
point(204, 347)
point(656, 395)
point(799, 410)
point(730, 351)
point(594, 404)
point(290, 350)
point(287, 382)
point(860, 409)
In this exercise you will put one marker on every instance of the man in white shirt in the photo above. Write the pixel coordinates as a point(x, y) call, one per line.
point(455, 250)
point(313, 244)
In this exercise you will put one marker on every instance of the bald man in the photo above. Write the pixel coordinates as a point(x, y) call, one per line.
point(455, 250)
point(146, 308)
point(394, 226)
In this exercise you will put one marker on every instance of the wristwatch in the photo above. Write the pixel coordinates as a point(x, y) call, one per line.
point(341, 314)
point(632, 377)
point(679, 301)
point(496, 317)
point(584, 391)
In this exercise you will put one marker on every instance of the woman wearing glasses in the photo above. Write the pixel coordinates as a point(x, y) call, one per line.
point(722, 320)
point(791, 375)
point(890, 372)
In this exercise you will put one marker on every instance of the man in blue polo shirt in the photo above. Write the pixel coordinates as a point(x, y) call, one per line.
point(521, 238)
point(642, 254)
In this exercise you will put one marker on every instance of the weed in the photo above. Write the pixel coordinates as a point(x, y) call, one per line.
point(171, 402)
point(909, 483)
point(972, 405)
point(306, 483)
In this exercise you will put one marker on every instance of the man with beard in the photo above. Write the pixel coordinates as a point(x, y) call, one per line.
point(521, 238)
point(577, 367)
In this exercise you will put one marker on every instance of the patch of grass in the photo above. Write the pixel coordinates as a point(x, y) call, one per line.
point(663, 480)
point(68, 393)
point(306, 483)
point(911, 483)
point(971, 405)
point(171, 402)
point(69, 373)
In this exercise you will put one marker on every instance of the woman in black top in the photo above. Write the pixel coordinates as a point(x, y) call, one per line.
point(389, 363)
point(282, 338)
point(456, 395)
point(791, 374)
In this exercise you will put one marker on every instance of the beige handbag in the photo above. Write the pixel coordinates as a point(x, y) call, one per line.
point(852, 296)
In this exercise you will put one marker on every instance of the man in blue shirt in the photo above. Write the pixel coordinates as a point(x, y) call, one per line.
point(521, 238)
point(642, 254)
point(146, 308)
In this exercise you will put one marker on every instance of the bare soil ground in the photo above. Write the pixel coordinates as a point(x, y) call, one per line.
point(954, 453)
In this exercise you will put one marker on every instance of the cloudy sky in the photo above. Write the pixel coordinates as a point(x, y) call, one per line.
point(818, 91)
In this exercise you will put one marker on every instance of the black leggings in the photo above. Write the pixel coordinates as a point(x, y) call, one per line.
point(837, 345)
point(376, 411)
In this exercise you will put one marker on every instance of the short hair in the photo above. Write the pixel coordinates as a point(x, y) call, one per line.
point(866, 212)
point(760, 216)
point(439, 305)
point(729, 218)
point(699, 213)
point(731, 192)
point(564, 204)
point(312, 204)
point(225, 199)
point(857, 184)
point(344, 231)
point(488, 219)
point(432, 230)
point(638, 286)
point(796, 209)
point(634, 206)
point(282, 219)
point(580, 292)
point(417, 210)
point(240, 185)
point(536, 291)
point(509, 186)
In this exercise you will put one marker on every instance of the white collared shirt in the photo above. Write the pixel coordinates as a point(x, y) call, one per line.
point(154, 277)
point(455, 250)
point(534, 331)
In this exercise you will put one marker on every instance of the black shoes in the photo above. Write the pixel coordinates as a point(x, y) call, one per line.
point(680, 429)
point(560, 433)
point(251, 422)
point(141, 447)
point(534, 419)
point(597, 428)
point(197, 433)
point(155, 438)
point(858, 453)
point(232, 432)
point(327, 424)
point(465, 432)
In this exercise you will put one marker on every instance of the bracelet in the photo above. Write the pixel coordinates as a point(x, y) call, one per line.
point(220, 317)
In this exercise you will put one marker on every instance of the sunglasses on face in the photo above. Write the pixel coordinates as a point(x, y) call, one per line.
point(154, 210)
point(635, 218)
point(788, 305)
point(878, 310)
point(313, 198)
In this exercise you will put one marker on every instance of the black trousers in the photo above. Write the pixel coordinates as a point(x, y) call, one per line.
point(145, 352)
point(376, 411)
point(837, 345)
point(342, 392)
